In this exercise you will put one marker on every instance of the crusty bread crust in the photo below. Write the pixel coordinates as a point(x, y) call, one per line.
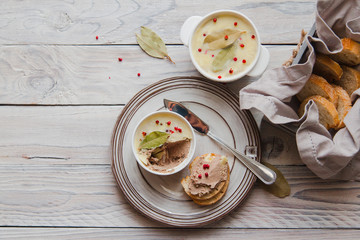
point(333, 101)
point(350, 55)
point(328, 115)
point(327, 68)
point(317, 85)
point(350, 80)
point(343, 105)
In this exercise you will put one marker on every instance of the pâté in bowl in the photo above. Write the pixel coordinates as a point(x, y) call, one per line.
point(163, 143)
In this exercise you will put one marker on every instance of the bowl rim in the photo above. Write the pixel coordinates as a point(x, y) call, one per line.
point(184, 163)
point(238, 75)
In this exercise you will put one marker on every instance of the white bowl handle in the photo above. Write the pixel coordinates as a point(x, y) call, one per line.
point(261, 64)
point(187, 29)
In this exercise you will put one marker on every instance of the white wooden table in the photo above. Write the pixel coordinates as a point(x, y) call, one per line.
point(61, 91)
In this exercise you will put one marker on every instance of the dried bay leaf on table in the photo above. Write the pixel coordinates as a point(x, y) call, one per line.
point(223, 57)
point(216, 40)
point(152, 44)
point(280, 188)
point(153, 140)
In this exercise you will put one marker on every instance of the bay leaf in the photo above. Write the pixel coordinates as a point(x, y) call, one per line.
point(152, 44)
point(159, 152)
point(153, 140)
point(280, 188)
point(223, 57)
point(216, 40)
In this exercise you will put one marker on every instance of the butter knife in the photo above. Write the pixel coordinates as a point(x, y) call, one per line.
point(264, 173)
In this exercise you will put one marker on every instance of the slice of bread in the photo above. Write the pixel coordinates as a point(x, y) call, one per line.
point(350, 55)
point(317, 85)
point(343, 104)
point(327, 68)
point(214, 194)
point(185, 182)
point(216, 198)
point(328, 115)
point(350, 80)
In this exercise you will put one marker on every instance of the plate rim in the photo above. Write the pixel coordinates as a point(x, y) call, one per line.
point(248, 175)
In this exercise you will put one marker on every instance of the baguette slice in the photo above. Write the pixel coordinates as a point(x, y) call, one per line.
point(344, 105)
point(350, 55)
point(327, 68)
point(350, 80)
point(216, 198)
point(328, 115)
point(185, 182)
point(317, 85)
point(214, 194)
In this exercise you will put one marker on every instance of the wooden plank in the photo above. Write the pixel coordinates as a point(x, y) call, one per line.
point(56, 135)
point(87, 196)
point(92, 74)
point(115, 22)
point(35, 135)
point(149, 233)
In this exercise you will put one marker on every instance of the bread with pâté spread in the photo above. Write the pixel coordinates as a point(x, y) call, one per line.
point(208, 180)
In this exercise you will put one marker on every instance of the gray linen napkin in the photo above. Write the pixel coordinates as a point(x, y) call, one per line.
point(329, 157)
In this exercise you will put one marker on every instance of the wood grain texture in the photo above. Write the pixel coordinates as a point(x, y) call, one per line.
point(61, 91)
point(87, 196)
point(177, 234)
point(116, 21)
point(34, 135)
point(72, 75)
point(56, 135)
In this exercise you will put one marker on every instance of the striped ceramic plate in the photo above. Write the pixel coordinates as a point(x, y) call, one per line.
point(162, 197)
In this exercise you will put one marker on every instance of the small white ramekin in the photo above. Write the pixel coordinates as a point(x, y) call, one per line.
point(184, 163)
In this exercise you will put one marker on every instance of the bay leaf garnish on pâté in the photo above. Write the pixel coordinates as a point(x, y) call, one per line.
point(154, 139)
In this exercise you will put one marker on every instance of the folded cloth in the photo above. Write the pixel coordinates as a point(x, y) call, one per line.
point(328, 156)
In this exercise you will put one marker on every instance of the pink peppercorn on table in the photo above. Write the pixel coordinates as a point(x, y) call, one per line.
point(67, 71)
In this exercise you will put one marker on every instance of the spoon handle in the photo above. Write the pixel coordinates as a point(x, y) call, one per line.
point(264, 173)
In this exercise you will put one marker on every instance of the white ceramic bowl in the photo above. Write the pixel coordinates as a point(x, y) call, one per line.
point(178, 118)
point(257, 67)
